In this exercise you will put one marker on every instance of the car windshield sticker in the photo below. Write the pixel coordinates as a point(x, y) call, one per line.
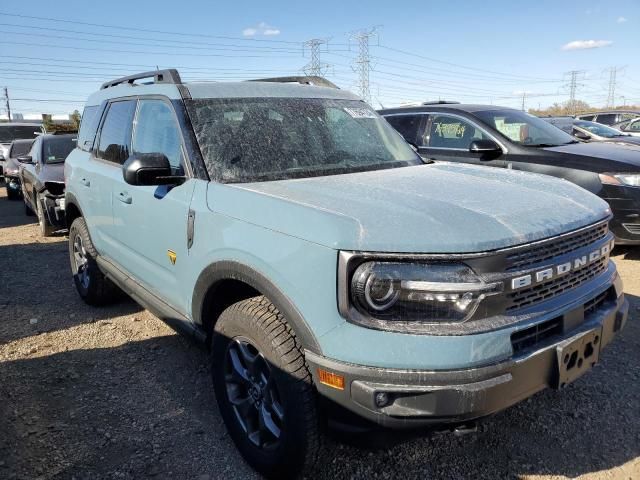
point(51, 157)
point(359, 112)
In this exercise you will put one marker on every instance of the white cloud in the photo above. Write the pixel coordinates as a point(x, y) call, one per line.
point(261, 29)
point(621, 20)
point(586, 44)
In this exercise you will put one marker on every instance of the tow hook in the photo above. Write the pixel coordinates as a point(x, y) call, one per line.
point(466, 429)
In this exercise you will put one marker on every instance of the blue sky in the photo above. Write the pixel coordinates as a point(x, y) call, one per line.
point(483, 52)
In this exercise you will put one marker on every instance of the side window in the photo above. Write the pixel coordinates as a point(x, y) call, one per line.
point(587, 117)
point(634, 126)
point(606, 119)
point(88, 127)
point(407, 125)
point(157, 132)
point(115, 134)
point(451, 132)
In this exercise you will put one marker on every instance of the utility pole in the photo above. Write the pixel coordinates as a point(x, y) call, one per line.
point(315, 67)
point(524, 96)
point(6, 97)
point(362, 65)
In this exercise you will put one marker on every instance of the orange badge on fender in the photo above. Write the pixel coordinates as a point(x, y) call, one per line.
point(172, 256)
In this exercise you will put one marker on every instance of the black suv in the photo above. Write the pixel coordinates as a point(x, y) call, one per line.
point(507, 138)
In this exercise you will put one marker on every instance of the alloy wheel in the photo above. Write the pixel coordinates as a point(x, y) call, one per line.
point(252, 391)
point(81, 261)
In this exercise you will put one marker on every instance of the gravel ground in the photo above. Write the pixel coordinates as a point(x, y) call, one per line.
point(91, 393)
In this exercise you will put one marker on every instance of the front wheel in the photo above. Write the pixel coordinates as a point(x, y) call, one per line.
point(92, 285)
point(46, 229)
point(264, 390)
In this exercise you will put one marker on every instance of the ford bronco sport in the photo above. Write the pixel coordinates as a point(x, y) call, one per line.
point(329, 268)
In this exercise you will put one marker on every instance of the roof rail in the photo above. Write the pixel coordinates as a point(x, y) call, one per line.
point(304, 80)
point(170, 75)
point(441, 102)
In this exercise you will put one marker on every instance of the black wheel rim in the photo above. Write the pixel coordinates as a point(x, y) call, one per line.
point(253, 394)
point(81, 262)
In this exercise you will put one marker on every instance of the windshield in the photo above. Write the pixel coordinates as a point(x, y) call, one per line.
point(19, 149)
point(18, 132)
point(56, 149)
point(525, 129)
point(257, 139)
point(599, 129)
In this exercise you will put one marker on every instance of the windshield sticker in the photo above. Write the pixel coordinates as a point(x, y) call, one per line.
point(359, 112)
point(51, 157)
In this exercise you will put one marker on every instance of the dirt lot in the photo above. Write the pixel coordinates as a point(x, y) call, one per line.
point(114, 393)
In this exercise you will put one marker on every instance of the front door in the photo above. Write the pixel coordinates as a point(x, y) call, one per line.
point(448, 137)
point(150, 222)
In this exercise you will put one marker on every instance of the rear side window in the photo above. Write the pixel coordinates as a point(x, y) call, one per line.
point(88, 127)
point(607, 118)
point(115, 135)
point(407, 125)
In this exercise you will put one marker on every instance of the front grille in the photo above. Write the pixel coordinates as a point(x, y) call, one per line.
point(632, 228)
point(530, 337)
point(556, 286)
point(553, 248)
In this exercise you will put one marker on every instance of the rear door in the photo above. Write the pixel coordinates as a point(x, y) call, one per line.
point(150, 222)
point(448, 137)
point(28, 172)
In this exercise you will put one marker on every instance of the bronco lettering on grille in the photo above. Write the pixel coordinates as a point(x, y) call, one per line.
point(558, 270)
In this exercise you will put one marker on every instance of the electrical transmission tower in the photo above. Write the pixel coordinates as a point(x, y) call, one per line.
point(362, 65)
point(611, 95)
point(574, 76)
point(6, 97)
point(315, 66)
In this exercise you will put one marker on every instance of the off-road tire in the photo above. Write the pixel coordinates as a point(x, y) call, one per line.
point(46, 229)
point(95, 289)
point(299, 447)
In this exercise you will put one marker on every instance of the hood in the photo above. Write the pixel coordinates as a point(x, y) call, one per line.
point(620, 158)
point(437, 208)
point(627, 140)
point(53, 172)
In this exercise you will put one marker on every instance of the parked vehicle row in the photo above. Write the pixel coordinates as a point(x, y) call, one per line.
point(592, 131)
point(334, 272)
point(15, 131)
point(508, 138)
point(610, 117)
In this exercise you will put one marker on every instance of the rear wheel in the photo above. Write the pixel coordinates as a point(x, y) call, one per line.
point(264, 390)
point(46, 229)
point(94, 288)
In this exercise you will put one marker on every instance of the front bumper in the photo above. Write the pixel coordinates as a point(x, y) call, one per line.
point(436, 399)
point(54, 206)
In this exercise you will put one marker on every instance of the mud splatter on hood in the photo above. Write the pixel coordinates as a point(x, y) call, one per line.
point(438, 208)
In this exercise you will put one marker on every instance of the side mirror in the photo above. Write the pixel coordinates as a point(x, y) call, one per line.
point(149, 169)
point(25, 159)
point(488, 149)
point(582, 136)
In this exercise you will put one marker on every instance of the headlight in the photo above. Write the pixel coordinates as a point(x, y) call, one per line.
point(418, 292)
point(630, 179)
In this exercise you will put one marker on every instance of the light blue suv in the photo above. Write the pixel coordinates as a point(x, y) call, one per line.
point(333, 272)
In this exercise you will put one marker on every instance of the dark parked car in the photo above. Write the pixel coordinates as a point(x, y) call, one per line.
point(508, 138)
point(609, 117)
point(592, 131)
point(42, 178)
point(15, 149)
point(15, 131)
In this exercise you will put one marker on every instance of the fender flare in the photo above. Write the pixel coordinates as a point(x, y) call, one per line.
point(226, 270)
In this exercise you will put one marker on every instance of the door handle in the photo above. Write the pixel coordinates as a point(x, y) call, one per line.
point(85, 182)
point(124, 197)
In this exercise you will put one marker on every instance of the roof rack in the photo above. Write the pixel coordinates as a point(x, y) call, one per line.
point(303, 80)
point(170, 75)
point(441, 102)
